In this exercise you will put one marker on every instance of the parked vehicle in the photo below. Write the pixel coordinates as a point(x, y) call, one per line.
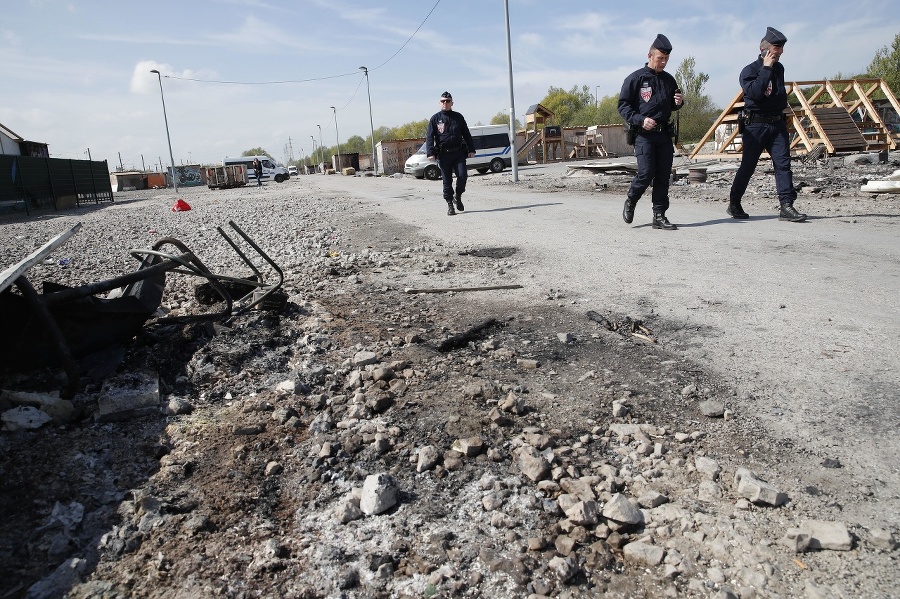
point(292, 170)
point(492, 153)
point(271, 169)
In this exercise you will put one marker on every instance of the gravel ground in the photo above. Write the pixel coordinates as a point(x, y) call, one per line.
point(352, 445)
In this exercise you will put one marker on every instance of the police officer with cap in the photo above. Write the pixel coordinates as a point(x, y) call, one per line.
point(764, 128)
point(449, 141)
point(648, 97)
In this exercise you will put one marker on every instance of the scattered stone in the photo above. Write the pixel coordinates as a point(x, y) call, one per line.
point(527, 364)
point(428, 458)
point(883, 539)
point(642, 553)
point(757, 490)
point(274, 468)
point(364, 358)
point(24, 418)
point(712, 409)
point(469, 447)
point(565, 337)
point(652, 499)
point(824, 535)
point(533, 464)
point(129, 395)
point(620, 509)
point(379, 494)
point(707, 467)
point(178, 406)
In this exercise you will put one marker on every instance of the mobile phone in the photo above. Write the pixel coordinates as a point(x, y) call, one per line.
point(765, 53)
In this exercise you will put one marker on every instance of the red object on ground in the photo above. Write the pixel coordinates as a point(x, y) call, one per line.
point(180, 206)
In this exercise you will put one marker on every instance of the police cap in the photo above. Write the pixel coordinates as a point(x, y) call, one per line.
point(446, 96)
point(662, 44)
point(774, 37)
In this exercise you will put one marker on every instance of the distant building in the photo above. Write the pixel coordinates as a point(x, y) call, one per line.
point(12, 144)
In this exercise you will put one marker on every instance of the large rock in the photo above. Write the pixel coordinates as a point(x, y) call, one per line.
point(379, 494)
point(620, 509)
point(533, 465)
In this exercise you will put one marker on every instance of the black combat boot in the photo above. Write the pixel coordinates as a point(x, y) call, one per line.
point(788, 212)
point(628, 210)
point(450, 210)
point(736, 211)
point(661, 222)
point(459, 204)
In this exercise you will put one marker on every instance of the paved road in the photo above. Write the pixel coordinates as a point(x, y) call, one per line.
point(803, 318)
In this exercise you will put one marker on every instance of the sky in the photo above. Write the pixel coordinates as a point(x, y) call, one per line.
point(75, 74)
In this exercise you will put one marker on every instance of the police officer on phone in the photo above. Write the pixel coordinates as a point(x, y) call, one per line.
point(763, 127)
point(648, 97)
point(449, 141)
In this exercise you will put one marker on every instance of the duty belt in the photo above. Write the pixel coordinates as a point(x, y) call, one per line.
point(753, 117)
point(444, 150)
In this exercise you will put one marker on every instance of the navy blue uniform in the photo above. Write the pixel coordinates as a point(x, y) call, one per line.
point(646, 93)
point(448, 139)
point(765, 99)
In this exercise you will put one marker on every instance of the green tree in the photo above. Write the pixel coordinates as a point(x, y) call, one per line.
point(886, 65)
point(565, 105)
point(355, 143)
point(502, 118)
point(699, 111)
point(255, 152)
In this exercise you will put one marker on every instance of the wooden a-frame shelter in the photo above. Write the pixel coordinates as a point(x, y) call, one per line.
point(818, 118)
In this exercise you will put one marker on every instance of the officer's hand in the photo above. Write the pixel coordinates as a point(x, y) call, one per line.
point(471, 154)
point(679, 99)
point(431, 158)
point(769, 59)
point(649, 123)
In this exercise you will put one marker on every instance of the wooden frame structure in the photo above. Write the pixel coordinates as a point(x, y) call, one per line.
point(821, 122)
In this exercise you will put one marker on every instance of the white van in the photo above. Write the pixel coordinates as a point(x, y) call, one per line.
point(271, 169)
point(492, 153)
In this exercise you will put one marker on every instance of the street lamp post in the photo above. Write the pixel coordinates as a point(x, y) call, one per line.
point(371, 122)
point(512, 101)
point(168, 137)
point(596, 95)
point(313, 139)
point(338, 137)
point(321, 156)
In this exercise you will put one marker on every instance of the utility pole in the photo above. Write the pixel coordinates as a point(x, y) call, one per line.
point(143, 164)
point(121, 166)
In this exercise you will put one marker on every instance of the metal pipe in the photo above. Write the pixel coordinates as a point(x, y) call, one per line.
point(371, 122)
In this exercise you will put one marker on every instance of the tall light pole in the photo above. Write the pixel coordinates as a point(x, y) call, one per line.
point(321, 156)
point(338, 136)
point(313, 139)
point(168, 137)
point(371, 122)
point(596, 95)
point(512, 101)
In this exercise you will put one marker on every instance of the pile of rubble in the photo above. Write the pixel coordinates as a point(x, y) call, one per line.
point(339, 448)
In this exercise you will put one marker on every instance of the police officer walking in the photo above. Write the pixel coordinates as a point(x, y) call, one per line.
point(449, 141)
point(648, 97)
point(763, 127)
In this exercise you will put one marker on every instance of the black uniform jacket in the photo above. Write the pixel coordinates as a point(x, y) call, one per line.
point(646, 93)
point(448, 131)
point(763, 86)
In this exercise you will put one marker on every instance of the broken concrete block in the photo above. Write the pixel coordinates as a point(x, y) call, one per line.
point(128, 396)
point(643, 554)
point(24, 418)
point(757, 490)
point(827, 535)
point(62, 411)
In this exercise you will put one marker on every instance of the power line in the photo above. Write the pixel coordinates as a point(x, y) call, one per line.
point(289, 81)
